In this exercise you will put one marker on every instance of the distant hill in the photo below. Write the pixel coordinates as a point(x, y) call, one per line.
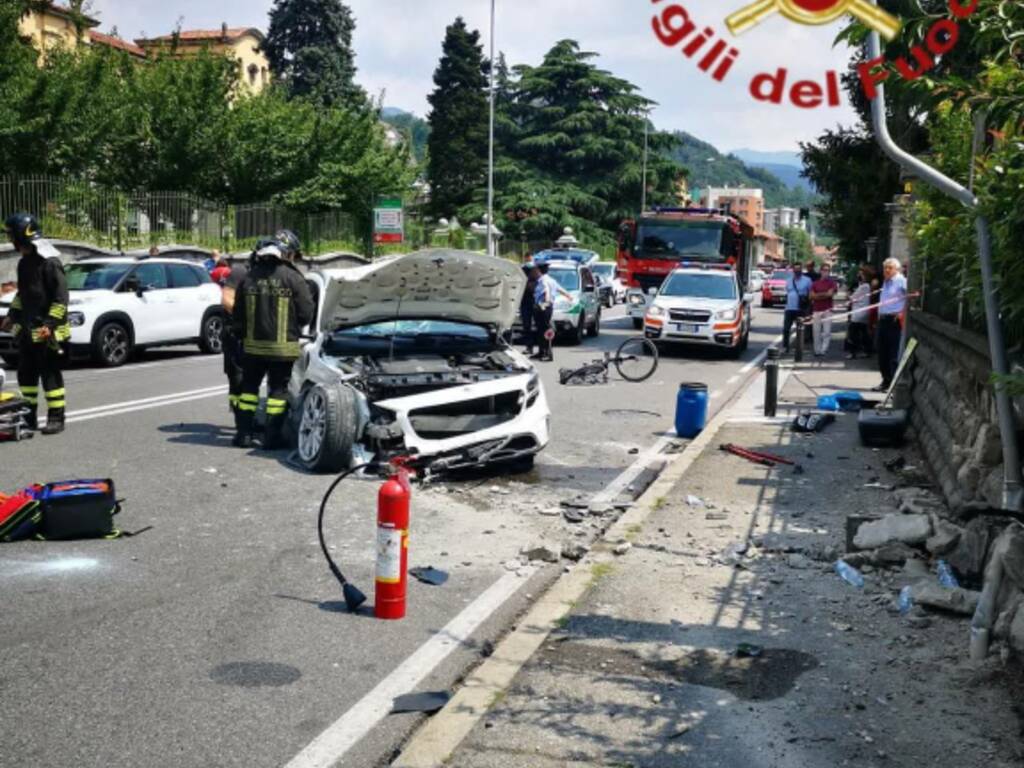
point(414, 128)
point(786, 165)
point(709, 167)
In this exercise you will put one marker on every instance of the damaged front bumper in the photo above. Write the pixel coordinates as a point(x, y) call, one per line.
point(474, 425)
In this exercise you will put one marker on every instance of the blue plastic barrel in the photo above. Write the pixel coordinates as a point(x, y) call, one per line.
point(691, 409)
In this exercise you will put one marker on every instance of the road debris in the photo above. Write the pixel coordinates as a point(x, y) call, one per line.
point(428, 702)
point(543, 553)
point(430, 575)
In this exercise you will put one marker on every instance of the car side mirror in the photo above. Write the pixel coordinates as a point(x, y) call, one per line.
point(132, 284)
point(652, 291)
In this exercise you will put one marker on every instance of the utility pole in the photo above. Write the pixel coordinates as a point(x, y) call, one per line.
point(490, 149)
point(643, 193)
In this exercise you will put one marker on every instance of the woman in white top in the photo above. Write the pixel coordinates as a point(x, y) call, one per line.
point(859, 334)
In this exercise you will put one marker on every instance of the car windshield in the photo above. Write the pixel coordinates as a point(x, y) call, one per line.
point(781, 275)
point(95, 277)
point(569, 279)
point(700, 286)
point(408, 336)
point(668, 242)
point(607, 271)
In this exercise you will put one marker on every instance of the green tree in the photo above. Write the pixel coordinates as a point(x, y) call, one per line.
point(799, 248)
point(309, 47)
point(457, 147)
point(573, 137)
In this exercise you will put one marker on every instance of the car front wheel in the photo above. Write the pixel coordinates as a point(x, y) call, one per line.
point(595, 330)
point(112, 344)
point(210, 334)
point(327, 428)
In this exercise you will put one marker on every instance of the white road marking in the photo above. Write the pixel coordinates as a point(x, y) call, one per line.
point(331, 745)
point(173, 395)
point(74, 419)
point(760, 358)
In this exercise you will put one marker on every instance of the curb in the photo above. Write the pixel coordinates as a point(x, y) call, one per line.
point(433, 745)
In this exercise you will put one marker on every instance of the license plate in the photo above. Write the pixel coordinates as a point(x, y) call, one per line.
point(681, 328)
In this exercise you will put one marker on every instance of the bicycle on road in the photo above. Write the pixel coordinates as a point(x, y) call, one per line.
point(636, 360)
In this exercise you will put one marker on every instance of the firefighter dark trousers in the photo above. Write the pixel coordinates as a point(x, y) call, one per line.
point(41, 362)
point(277, 373)
point(233, 369)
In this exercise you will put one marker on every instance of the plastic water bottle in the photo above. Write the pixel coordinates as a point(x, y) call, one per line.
point(946, 576)
point(849, 574)
point(906, 601)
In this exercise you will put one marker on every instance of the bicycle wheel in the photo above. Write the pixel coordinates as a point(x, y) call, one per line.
point(637, 359)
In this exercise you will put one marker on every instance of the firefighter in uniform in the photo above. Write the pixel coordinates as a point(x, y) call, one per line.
point(231, 345)
point(39, 320)
point(272, 305)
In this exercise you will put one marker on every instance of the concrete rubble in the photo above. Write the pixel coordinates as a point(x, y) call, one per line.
point(909, 529)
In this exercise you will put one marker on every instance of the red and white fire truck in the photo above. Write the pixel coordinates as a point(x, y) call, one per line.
point(657, 242)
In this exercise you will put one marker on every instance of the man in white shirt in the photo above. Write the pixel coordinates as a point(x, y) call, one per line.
point(546, 291)
point(890, 322)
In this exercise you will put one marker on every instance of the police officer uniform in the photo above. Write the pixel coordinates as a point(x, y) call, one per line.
point(272, 305)
point(38, 320)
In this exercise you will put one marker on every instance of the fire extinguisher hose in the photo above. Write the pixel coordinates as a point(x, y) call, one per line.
point(320, 522)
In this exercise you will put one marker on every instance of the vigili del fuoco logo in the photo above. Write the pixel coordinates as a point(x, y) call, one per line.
point(715, 55)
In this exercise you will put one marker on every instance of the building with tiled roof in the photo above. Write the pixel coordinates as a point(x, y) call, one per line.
point(241, 43)
point(53, 25)
point(98, 38)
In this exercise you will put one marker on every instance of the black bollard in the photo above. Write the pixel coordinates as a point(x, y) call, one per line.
point(798, 354)
point(771, 382)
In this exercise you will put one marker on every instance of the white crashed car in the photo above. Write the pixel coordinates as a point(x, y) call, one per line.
point(410, 356)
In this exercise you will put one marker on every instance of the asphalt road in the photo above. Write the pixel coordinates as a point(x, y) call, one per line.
point(216, 637)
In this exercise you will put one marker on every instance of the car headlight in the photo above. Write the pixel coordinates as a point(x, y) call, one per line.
point(656, 311)
point(726, 314)
point(534, 383)
point(562, 303)
point(637, 300)
point(76, 319)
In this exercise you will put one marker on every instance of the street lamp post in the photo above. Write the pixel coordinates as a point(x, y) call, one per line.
point(643, 193)
point(490, 149)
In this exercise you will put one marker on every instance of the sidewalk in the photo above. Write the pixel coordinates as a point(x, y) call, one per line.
point(645, 671)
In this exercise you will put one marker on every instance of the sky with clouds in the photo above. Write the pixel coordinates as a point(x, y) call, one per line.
point(398, 43)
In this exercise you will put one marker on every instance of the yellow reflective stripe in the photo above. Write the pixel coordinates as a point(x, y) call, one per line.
point(272, 348)
point(247, 407)
point(55, 404)
point(27, 390)
point(276, 407)
point(30, 397)
point(58, 311)
point(62, 333)
point(282, 319)
point(56, 393)
point(249, 398)
point(233, 399)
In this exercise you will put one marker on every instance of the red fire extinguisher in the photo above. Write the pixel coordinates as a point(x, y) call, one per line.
point(392, 543)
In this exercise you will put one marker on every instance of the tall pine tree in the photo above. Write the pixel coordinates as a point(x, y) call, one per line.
point(457, 167)
point(309, 47)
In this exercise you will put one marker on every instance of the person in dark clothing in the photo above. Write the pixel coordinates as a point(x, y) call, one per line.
point(273, 304)
point(231, 345)
point(526, 307)
point(39, 320)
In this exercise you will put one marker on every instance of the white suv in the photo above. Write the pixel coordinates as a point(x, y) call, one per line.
point(119, 305)
point(701, 305)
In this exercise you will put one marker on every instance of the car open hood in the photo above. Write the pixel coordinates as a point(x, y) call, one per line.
point(437, 283)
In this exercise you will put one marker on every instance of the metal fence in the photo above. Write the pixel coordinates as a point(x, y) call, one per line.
point(80, 210)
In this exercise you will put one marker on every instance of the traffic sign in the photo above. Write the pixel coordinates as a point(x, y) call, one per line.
point(389, 221)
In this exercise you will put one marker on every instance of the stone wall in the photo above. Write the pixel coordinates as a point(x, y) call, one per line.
point(954, 413)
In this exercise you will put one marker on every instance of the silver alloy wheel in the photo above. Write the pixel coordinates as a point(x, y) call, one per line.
point(313, 426)
point(115, 344)
point(214, 330)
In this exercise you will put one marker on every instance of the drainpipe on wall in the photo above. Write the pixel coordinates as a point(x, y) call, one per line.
point(1012, 496)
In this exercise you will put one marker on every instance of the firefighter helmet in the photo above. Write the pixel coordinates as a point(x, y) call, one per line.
point(289, 243)
point(23, 229)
